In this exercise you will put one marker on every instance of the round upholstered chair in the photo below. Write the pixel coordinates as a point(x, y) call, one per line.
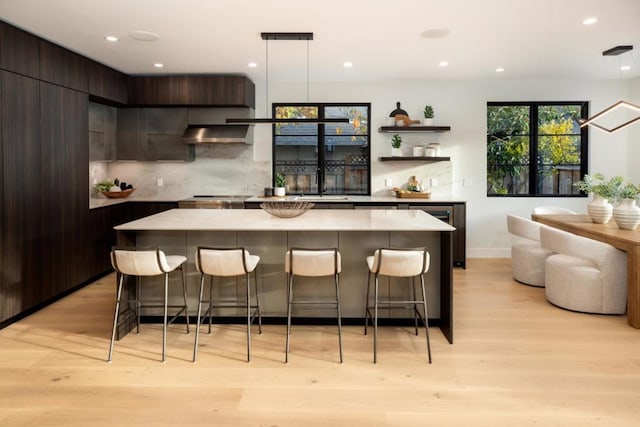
point(584, 274)
point(527, 254)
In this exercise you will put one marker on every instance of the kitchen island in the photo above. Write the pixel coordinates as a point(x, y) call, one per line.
point(356, 233)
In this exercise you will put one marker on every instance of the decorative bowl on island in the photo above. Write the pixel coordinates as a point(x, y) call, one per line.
point(285, 209)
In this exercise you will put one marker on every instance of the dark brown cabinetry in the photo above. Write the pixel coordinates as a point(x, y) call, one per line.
point(63, 188)
point(212, 91)
point(21, 275)
point(153, 134)
point(63, 67)
point(19, 51)
point(106, 83)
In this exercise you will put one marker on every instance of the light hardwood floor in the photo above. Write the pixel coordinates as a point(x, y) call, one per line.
point(516, 361)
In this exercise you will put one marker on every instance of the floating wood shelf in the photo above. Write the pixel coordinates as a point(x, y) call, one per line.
point(399, 129)
point(414, 159)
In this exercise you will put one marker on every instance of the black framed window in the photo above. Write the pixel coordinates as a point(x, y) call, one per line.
point(317, 158)
point(536, 148)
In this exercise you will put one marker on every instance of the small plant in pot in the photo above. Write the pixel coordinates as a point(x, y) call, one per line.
point(279, 189)
point(605, 192)
point(396, 142)
point(428, 115)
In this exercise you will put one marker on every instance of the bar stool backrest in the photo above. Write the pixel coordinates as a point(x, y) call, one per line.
point(401, 262)
point(224, 261)
point(313, 262)
point(139, 261)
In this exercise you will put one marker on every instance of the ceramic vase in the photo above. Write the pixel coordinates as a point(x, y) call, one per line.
point(279, 191)
point(396, 152)
point(600, 210)
point(626, 214)
point(428, 122)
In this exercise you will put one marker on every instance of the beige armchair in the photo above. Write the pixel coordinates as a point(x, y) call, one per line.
point(584, 274)
point(527, 255)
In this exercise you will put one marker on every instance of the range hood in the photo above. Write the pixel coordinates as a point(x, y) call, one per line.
point(215, 134)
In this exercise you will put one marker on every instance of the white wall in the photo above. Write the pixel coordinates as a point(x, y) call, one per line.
point(462, 105)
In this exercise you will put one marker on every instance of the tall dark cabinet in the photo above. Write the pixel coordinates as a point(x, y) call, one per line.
point(21, 242)
point(63, 187)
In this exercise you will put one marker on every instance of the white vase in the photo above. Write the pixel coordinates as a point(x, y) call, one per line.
point(626, 214)
point(396, 152)
point(279, 191)
point(428, 122)
point(600, 210)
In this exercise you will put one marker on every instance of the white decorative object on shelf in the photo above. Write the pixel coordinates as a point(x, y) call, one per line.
point(626, 214)
point(600, 210)
point(396, 152)
point(418, 151)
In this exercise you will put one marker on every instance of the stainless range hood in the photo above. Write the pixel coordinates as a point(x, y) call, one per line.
point(215, 134)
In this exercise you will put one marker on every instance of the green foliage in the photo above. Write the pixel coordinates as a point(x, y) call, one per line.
point(629, 191)
point(396, 141)
point(104, 185)
point(556, 146)
point(600, 186)
point(428, 112)
point(280, 180)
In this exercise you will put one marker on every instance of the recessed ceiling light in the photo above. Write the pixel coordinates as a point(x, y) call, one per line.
point(590, 21)
point(111, 38)
point(443, 64)
point(347, 64)
point(252, 65)
point(158, 65)
point(499, 70)
point(143, 36)
point(625, 67)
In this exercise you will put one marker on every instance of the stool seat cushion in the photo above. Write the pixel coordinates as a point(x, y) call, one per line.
point(144, 262)
point(399, 263)
point(313, 263)
point(225, 262)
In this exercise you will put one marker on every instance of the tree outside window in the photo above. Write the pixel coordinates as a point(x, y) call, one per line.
point(548, 133)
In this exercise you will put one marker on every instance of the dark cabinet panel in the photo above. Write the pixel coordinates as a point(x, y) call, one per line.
point(19, 51)
point(63, 67)
point(64, 195)
point(127, 134)
point(19, 101)
point(217, 91)
point(102, 132)
point(460, 235)
point(107, 83)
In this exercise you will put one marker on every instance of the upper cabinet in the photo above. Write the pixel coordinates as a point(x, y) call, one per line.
point(63, 67)
point(106, 83)
point(19, 51)
point(213, 91)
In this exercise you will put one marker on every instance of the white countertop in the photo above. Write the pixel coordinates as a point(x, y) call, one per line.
point(313, 220)
point(355, 199)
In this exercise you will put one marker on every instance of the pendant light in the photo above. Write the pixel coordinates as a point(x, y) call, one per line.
point(284, 36)
point(614, 51)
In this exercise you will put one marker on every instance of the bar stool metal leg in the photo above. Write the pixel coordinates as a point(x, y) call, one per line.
point(115, 317)
point(248, 318)
point(426, 316)
point(195, 346)
point(255, 281)
point(367, 313)
point(415, 304)
point(375, 321)
point(339, 315)
point(184, 293)
point(164, 323)
point(290, 297)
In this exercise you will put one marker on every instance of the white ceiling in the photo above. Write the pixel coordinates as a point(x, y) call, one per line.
point(530, 39)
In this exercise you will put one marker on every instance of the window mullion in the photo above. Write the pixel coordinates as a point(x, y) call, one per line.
point(533, 149)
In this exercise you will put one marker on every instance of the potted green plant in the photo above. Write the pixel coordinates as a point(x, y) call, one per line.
point(396, 143)
point(279, 188)
point(604, 192)
point(626, 214)
point(428, 115)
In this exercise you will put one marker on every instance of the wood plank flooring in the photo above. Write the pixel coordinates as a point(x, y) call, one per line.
point(516, 361)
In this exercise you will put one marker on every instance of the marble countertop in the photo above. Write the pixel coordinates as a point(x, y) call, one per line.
point(313, 220)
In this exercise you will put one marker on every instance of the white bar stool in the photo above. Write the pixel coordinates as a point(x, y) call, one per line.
point(398, 262)
point(144, 262)
point(225, 262)
point(312, 263)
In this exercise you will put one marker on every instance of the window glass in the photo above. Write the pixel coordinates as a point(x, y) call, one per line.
point(547, 132)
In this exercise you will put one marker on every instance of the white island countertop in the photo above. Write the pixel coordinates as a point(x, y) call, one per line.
point(313, 220)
